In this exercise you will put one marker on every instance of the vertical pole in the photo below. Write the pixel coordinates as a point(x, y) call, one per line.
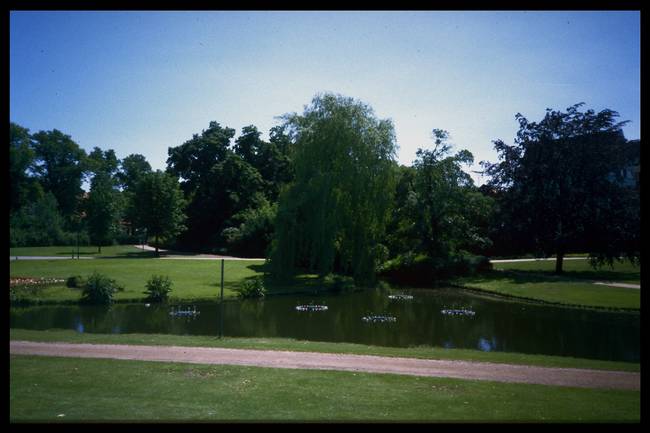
point(77, 244)
point(221, 315)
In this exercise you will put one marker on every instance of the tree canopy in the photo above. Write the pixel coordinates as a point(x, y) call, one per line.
point(335, 211)
point(59, 165)
point(160, 205)
point(560, 185)
point(103, 209)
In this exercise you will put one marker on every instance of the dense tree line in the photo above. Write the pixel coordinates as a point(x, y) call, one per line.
point(325, 193)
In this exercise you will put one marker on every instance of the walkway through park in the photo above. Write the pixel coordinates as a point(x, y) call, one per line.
point(572, 377)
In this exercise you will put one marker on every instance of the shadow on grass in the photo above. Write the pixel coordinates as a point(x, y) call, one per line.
point(539, 276)
point(300, 283)
point(585, 276)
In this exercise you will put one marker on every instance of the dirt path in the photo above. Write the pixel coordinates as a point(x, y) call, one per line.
point(173, 255)
point(327, 361)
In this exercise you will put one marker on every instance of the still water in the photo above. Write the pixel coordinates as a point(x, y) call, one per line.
point(496, 325)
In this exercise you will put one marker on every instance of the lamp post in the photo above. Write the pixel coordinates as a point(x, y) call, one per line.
point(221, 308)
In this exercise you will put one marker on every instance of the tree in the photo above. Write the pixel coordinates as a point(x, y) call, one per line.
point(132, 169)
point(217, 182)
point(450, 209)
point(160, 205)
point(251, 232)
point(559, 185)
point(59, 165)
point(99, 161)
point(335, 211)
point(103, 210)
point(270, 159)
point(193, 160)
point(37, 223)
point(23, 188)
point(195, 163)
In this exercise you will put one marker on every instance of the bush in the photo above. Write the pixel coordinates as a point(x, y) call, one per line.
point(158, 288)
point(99, 289)
point(252, 289)
point(424, 270)
point(339, 283)
point(75, 282)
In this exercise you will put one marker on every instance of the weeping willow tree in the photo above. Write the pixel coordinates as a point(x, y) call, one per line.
point(333, 215)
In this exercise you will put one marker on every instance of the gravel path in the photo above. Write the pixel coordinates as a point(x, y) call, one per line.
point(327, 361)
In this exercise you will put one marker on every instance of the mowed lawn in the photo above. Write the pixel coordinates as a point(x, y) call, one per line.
point(621, 272)
point(75, 389)
point(191, 279)
point(537, 280)
point(84, 251)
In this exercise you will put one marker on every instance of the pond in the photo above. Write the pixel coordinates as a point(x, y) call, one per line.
point(450, 318)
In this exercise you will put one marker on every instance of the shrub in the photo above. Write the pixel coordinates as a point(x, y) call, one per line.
point(75, 282)
point(423, 270)
point(253, 288)
point(158, 288)
point(99, 289)
point(339, 283)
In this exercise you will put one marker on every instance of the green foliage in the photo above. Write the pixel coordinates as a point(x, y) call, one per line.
point(75, 282)
point(23, 188)
point(132, 169)
point(59, 165)
point(339, 283)
point(420, 269)
point(104, 207)
point(158, 288)
point(559, 185)
point(39, 224)
point(254, 232)
point(101, 162)
point(448, 207)
point(219, 184)
point(335, 211)
point(270, 159)
point(253, 288)
point(99, 289)
point(160, 205)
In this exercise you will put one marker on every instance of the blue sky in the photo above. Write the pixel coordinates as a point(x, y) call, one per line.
point(140, 82)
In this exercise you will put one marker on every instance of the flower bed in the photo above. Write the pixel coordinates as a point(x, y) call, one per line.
point(33, 281)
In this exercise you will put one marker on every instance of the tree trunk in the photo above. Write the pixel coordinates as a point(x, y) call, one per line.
point(558, 262)
point(99, 249)
point(157, 246)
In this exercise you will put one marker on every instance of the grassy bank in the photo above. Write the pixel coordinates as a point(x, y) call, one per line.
point(51, 389)
point(570, 293)
point(200, 280)
point(537, 281)
point(623, 272)
point(315, 346)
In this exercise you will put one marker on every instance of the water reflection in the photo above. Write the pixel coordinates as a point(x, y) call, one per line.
point(496, 325)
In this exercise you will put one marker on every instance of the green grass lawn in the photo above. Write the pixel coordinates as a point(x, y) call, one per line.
point(84, 251)
point(191, 279)
point(51, 389)
point(537, 281)
point(548, 289)
point(622, 272)
point(200, 279)
point(423, 352)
